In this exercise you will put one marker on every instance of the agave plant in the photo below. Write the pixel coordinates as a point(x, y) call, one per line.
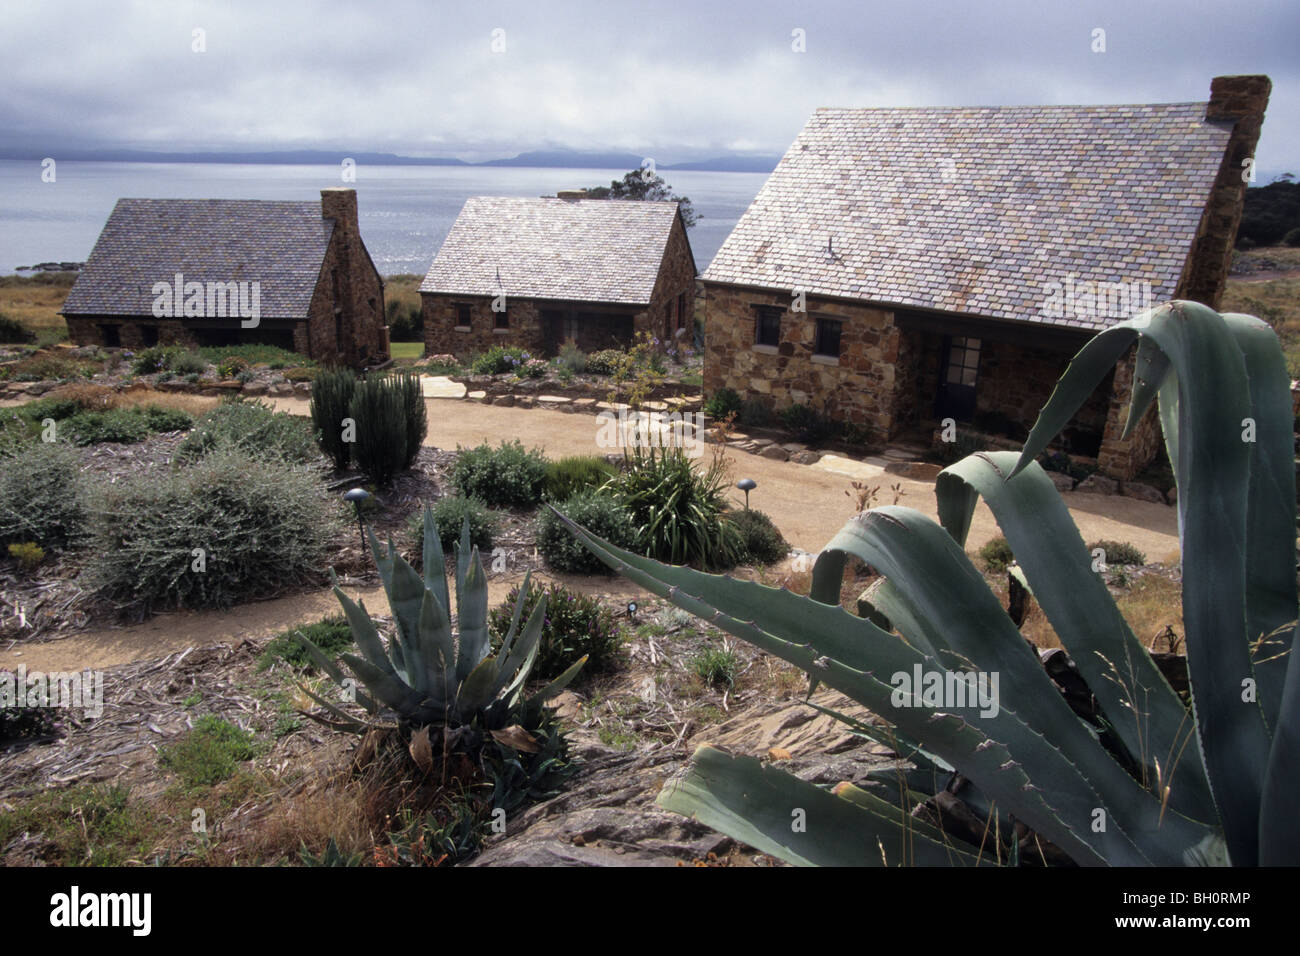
point(427, 674)
point(1151, 781)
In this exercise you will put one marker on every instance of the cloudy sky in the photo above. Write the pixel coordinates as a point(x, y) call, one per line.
point(684, 81)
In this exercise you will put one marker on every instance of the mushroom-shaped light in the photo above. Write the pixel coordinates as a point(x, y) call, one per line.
point(747, 485)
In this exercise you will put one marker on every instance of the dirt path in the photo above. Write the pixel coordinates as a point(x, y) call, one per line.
point(807, 503)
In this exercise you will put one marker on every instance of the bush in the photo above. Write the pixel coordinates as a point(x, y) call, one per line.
point(805, 423)
point(605, 362)
point(499, 359)
point(254, 354)
point(996, 555)
point(209, 753)
point(576, 624)
point(390, 421)
point(232, 365)
point(150, 360)
point(722, 403)
point(261, 524)
point(449, 515)
point(761, 542)
point(504, 477)
point(185, 362)
point(1119, 553)
point(255, 427)
point(572, 358)
point(677, 511)
point(331, 399)
point(13, 332)
point(180, 361)
point(332, 634)
point(599, 514)
point(123, 425)
point(716, 667)
point(160, 418)
point(300, 374)
point(569, 476)
point(43, 366)
point(1292, 238)
point(41, 495)
point(28, 554)
point(755, 413)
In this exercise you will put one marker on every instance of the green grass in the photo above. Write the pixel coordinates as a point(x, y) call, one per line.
point(209, 753)
point(407, 350)
point(255, 355)
point(331, 634)
point(716, 667)
point(86, 825)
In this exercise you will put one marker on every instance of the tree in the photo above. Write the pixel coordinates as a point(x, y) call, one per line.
point(645, 184)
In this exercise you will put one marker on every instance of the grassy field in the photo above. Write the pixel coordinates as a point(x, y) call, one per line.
point(407, 350)
point(1276, 301)
point(35, 302)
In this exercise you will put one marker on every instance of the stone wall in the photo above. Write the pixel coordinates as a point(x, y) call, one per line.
point(345, 322)
point(859, 388)
point(1124, 458)
point(1240, 100)
point(443, 336)
point(672, 304)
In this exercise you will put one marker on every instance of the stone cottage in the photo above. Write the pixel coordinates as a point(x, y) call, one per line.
point(538, 273)
point(232, 271)
point(905, 266)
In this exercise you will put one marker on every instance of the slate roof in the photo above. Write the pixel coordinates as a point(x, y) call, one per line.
point(279, 244)
point(977, 210)
point(586, 250)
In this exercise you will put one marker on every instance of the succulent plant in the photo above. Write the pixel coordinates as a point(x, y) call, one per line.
point(1150, 782)
point(428, 675)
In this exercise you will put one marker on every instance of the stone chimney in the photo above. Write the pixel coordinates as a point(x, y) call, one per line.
point(340, 204)
point(1239, 101)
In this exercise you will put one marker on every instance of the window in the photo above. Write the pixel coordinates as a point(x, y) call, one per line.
point(462, 317)
point(767, 325)
point(112, 335)
point(963, 362)
point(683, 319)
point(501, 320)
point(828, 338)
point(149, 335)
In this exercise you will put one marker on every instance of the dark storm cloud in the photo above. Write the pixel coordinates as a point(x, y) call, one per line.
point(704, 78)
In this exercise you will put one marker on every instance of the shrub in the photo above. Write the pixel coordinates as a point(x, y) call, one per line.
point(449, 514)
point(805, 423)
point(209, 753)
point(28, 554)
point(599, 514)
point(575, 625)
point(996, 555)
point(184, 362)
point(504, 477)
point(575, 473)
point(677, 511)
point(532, 368)
point(124, 425)
point(150, 360)
point(331, 634)
point(755, 413)
point(44, 366)
point(572, 358)
point(254, 354)
point(232, 365)
point(160, 418)
point(605, 362)
point(13, 332)
point(716, 667)
point(761, 542)
point(300, 374)
point(331, 400)
point(499, 359)
point(390, 421)
point(253, 426)
point(261, 524)
point(41, 495)
point(722, 403)
point(1119, 553)
point(1292, 238)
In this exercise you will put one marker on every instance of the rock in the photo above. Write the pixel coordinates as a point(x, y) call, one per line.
point(478, 396)
point(505, 401)
point(1098, 484)
point(916, 470)
point(256, 388)
point(280, 388)
point(1062, 481)
point(776, 453)
point(794, 447)
point(302, 388)
point(806, 457)
point(1135, 489)
point(38, 388)
point(553, 399)
point(1172, 495)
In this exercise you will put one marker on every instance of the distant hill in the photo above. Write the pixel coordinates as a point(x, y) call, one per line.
point(546, 159)
point(1269, 213)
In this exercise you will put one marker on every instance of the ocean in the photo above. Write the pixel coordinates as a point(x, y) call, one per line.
point(405, 211)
